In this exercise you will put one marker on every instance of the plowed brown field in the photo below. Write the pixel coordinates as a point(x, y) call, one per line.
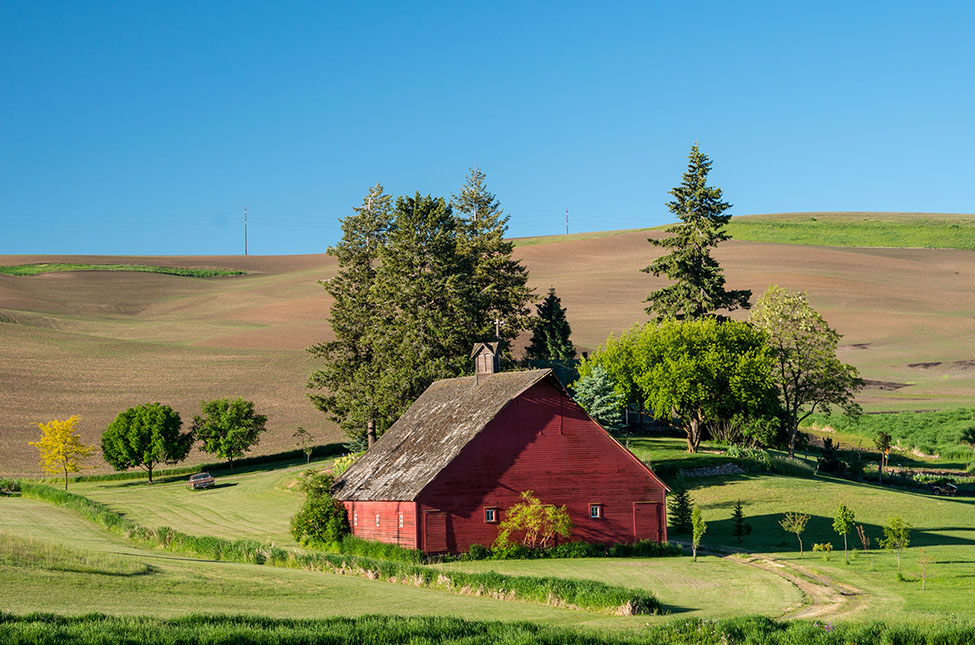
point(95, 343)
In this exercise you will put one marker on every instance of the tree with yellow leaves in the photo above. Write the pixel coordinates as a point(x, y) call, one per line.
point(61, 449)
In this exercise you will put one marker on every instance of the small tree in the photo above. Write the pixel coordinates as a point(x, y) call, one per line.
point(883, 442)
point(228, 427)
point(61, 449)
point(145, 436)
point(897, 537)
point(864, 540)
point(679, 509)
point(551, 330)
point(322, 518)
point(538, 524)
point(795, 523)
point(925, 561)
point(303, 438)
point(739, 528)
point(968, 436)
point(843, 524)
point(699, 528)
point(597, 396)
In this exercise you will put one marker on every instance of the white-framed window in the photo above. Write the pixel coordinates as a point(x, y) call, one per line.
point(490, 515)
point(377, 519)
point(595, 511)
point(401, 520)
point(355, 519)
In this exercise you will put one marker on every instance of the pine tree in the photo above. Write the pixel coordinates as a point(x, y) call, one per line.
point(550, 338)
point(596, 394)
point(740, 528)
point(426, 311)
point(348, 374)
point(679, 509)
point(698, 288)
point(501, 282)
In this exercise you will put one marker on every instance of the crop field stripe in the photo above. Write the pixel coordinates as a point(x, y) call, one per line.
point(38, 269)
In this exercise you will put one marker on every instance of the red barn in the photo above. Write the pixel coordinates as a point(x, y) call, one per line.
point(442, 476)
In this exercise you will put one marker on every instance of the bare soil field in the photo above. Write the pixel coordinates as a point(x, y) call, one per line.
point(95, 343)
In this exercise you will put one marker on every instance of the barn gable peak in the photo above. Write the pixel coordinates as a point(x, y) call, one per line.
point(486, 360)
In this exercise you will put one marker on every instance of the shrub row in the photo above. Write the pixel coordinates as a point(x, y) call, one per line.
point(42, 629)
point(585, 594)
point(642, 548)
point(297, 456)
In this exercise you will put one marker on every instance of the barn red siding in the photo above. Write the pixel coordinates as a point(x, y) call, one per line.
point(362, 519)
point(544, 442)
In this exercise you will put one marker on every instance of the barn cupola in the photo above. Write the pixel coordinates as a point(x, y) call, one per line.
point(486, 361)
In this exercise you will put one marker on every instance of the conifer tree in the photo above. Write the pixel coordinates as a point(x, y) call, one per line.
point(501, 282)
point(739, 528)
point(679, 509)
point(698, 281)
point(348, 373)
point(550, 338)
point(596, 394)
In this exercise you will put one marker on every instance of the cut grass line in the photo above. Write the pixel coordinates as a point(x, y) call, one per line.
point(51, 267)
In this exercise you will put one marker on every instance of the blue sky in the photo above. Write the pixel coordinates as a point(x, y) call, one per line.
point(145, 127)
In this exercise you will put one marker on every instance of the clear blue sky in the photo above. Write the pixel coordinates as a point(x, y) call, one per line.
point(145, 127)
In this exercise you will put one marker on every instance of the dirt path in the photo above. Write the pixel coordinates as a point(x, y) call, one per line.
point(823, 597)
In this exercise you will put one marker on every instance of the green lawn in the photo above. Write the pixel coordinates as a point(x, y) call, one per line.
point(920, 230)
point(50, 267)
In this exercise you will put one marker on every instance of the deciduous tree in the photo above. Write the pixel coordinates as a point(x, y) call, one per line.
point(806, 371)
point(795, 523)
point(228, 427)
point(690, 372)
point(145, 436)
point(698, 281)
point(843, 523)
point(61, 449)
point(699, 527)
point(536, 523)
point(304, 439)
point(897, 537)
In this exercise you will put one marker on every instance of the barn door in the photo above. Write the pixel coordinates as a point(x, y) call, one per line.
point(646, 521)
point(435, 532)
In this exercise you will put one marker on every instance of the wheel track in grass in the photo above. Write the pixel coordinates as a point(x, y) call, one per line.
point(823, 596)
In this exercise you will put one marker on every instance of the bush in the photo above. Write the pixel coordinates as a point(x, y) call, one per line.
point(754, 458)
point(8, 486)
point(322, 518)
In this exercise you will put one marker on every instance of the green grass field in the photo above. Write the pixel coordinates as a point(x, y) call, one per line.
point(901, 230)
point(51, 267)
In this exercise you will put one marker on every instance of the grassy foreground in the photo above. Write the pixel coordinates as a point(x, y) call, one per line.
point(40, 629)
point(51, 267)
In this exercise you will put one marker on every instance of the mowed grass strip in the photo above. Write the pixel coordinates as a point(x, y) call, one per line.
point(51, 267)
point(899, 230)
point(17, 551)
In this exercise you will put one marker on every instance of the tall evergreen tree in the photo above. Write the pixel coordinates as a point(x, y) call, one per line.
point(698, 289)
point(501, 282)
point(348, 373)
point(426, 311)
point(595, 393)
point(550, 337)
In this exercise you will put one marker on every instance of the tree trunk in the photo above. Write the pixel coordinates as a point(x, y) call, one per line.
point(693, 435)
point(149, 468)
point(231, 460)
point(65, 479)
point(800, 544)
point(370, 433)
point(844, 548)
point(793, 433)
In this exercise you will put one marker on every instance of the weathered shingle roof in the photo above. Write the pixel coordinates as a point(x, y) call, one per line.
point(446, 417)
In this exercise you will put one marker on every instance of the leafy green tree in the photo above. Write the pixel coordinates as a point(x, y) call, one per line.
point(679, 509)
point(699, 284)
point(597, 396)
point(699, 527)
point(536, 523)
point(690, 372)
point(61, 449)
point(322, 518)
point(843, 523)
point(500, 281)
point(228, 427)
point(349, 371)
point(145, 436)
point(883, 441)
point(304, 439)
point(897, 537)
point(550, 335)
point(806, 371)
point(968, 436)
point(795, 523)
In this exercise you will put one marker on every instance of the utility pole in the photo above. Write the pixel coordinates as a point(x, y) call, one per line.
point(567, 221)
point(245, 229)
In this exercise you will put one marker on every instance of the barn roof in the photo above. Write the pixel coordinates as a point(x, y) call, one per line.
point(446, 417)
